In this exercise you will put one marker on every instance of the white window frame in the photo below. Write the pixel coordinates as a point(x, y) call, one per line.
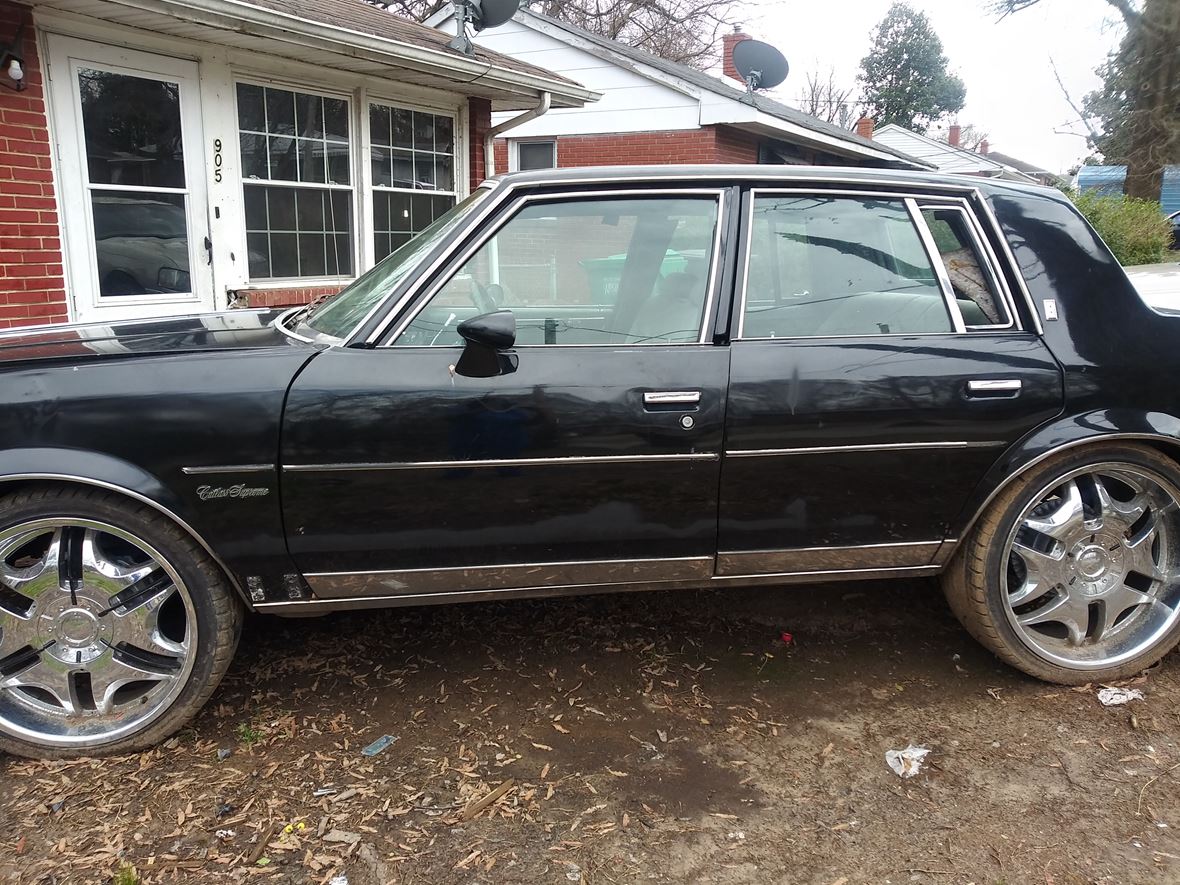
point(514, 151)
point(458, 189)
point(355, 183)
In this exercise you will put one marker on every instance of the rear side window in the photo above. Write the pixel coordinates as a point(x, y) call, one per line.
point(839, 266)
point(967, 270)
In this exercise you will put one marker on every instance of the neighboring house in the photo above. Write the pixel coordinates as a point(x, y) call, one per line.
point(190, 155)
point(1110, 180)
point(945, 156)
point(657, 111)
point(1040, 174)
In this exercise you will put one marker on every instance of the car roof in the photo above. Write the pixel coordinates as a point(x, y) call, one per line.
point(749, 174)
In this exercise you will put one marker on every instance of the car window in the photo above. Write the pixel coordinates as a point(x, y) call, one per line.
point(974, 288)
point(626, 270)
point(838, 266)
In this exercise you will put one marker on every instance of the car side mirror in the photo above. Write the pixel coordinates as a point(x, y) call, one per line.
point(488, 337)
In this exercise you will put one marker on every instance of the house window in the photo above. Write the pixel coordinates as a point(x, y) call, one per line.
point(536, 155)
point(413, 161)
point(297, 182)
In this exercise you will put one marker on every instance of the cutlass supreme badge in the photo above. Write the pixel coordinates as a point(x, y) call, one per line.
point(241, 490)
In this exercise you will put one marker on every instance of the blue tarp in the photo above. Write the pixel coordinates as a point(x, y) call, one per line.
point(1109, 180)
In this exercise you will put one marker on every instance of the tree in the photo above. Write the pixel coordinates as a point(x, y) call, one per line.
point(686, 31)
point(823, 98)
point(904, 79)
point(1138, 108)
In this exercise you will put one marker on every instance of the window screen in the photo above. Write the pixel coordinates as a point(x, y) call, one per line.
point(836, 266)
point(536, 155)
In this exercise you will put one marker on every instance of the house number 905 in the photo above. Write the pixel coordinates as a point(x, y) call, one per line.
point(217, 159)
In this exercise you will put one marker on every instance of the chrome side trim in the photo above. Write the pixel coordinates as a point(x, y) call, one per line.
point(1013, 265)
point(456, 259)
point(336, 585)
point(873, 447)
point(143, 499)
point(301, 608)
point(498, 462)
point(937, 264)
point(804, 559)
point(227, 468)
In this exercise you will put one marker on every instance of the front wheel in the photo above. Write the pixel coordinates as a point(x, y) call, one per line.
point(1073, 573)
point(115, 627)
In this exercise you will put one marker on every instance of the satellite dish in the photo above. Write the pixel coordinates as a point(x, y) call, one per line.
point(480, 14)
point(760, 64)
point(493, 13)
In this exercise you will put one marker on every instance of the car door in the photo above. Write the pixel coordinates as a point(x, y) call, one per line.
point(594, 461)
point(878, 370)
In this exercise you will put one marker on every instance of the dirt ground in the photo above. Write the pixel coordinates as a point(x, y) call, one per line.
point(670, 737)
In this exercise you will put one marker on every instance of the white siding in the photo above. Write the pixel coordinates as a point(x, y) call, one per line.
point(629, 103)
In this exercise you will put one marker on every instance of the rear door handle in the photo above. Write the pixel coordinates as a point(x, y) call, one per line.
point(672, 398)
point(998, 388)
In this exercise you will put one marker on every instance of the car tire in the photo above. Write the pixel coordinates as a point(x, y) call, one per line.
point(1080, 601)
point(119, 625)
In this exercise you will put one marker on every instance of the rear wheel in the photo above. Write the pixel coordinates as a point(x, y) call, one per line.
point(1073, 574)
point(115, 627)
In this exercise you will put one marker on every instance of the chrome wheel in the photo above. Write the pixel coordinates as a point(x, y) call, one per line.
point(1092, 566)
point(97, 632)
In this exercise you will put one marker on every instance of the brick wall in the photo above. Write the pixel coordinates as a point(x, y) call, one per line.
point(284, 297)
point(710, 144)
point(479, 113)
point(32, 285)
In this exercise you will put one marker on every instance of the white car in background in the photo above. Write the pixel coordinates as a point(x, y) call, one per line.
point(1158, 285)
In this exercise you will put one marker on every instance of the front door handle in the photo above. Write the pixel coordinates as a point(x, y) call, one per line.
point(672, 398)
point(998, 388)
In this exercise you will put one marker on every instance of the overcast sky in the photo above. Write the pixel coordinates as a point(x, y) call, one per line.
point(1011, 91)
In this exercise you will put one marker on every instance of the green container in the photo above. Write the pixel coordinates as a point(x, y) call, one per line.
point(604, 274)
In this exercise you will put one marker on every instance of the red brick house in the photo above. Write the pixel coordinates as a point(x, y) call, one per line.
point(656, 111)
point(160, 157)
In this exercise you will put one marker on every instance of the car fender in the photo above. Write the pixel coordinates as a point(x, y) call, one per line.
point(82, 467)
point(1060, 435)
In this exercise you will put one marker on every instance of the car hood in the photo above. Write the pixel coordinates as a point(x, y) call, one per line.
point(211, 331)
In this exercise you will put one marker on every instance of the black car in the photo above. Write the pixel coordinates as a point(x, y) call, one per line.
point(589, 380)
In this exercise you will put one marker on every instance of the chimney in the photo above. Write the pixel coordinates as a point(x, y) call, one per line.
point(955, 135)
point(864, 127)
point(728, 41)
point(984, 147)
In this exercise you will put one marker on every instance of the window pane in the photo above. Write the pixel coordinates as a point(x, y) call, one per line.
point(280, 112)
point(131, 127)
point(444, 135)
point(379, 126)
point(974, 288)
point(403, 169)
point(251, 108)
point(444, 173)
point(339, 162)
point(141, 241)
point(254, 156)
point(336, 119)
point(536, 155)
point(836, 267)
point(309, 117)
point(382, 167)
point(625, 271)
point(403, 128)
point(311, 161)
point(284, 163)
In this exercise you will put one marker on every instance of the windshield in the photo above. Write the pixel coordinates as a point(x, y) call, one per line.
point(338, 315)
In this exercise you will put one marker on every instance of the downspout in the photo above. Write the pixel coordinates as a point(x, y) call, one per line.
point(489, 146)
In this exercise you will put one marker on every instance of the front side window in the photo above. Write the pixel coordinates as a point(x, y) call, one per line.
point(296, 182)
point(413, 162)
point(823, 266)
point(626, 270)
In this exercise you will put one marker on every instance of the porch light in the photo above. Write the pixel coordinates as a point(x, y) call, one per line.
point(12, 60)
